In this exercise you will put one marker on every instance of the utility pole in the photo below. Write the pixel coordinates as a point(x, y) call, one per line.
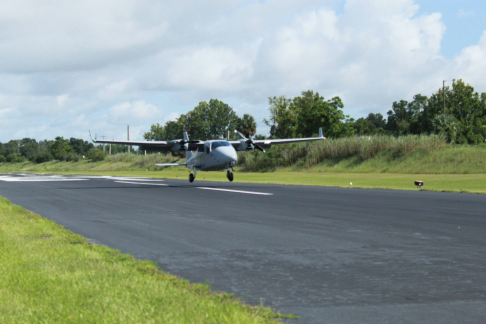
point(443, 93)
point(128, 136)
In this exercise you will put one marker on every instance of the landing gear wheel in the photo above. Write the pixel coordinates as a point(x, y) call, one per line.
point(229, 175)
point(191, 177)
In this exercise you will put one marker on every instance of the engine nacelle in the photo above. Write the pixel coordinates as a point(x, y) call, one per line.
point(243, 146)
point(177, 148)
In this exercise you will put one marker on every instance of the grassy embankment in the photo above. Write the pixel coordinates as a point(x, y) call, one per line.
point(368, 162)
point(50, 275)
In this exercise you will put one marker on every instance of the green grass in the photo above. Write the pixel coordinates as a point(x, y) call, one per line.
point(50, 275)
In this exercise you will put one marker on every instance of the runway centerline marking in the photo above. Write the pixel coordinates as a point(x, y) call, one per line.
point(144, 183)
point(205, 188)
point(238, 191)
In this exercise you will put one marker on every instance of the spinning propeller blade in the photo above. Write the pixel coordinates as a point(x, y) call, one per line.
point(249, 141)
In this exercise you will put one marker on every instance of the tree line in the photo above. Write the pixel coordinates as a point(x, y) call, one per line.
point(44, 151)
point(462, 121)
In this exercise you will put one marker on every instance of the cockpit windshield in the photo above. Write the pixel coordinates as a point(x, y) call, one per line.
point(218, 144)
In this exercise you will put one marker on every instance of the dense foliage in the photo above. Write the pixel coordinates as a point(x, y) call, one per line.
point(43, 151)
point(463, 120)
point(302, 116)
point(206, 121)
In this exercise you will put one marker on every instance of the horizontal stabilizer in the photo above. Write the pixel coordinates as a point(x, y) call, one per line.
point(170, 164)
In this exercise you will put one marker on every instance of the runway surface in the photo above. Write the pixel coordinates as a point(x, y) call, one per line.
point(328, 255)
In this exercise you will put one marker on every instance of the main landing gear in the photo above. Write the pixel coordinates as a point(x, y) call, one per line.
point(229, 175)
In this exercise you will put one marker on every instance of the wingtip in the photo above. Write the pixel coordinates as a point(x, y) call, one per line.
point(94, 140)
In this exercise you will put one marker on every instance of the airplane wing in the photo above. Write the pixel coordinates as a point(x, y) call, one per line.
point(246, 144)
point(174, 145)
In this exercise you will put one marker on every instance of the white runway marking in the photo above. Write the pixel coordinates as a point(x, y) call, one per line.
point(143, 183)
point(126, 180)
point(38, 179)
point(205, 188)
point(121, 178)
point(56, 178)
point(238, 191)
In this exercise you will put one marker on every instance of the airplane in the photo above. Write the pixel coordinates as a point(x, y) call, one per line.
point(211, 155)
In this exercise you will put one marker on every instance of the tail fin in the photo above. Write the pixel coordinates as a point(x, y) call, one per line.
point(320, 132)
point(186, 146)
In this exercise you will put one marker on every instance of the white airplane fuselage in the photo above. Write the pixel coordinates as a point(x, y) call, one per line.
point(213, 156)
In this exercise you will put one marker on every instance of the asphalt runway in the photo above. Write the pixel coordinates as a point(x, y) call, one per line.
point(328, 255)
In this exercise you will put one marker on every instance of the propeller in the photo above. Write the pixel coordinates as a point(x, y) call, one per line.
point(249, 141)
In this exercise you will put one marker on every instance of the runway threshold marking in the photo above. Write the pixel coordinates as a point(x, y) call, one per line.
point(205, 188)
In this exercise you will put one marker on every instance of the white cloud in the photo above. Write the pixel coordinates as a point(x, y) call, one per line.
point(471, 62)
point(69, 67)
point(137, 111)
point(465, 13)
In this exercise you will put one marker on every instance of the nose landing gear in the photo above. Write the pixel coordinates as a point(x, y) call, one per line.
point(229, 175)
point(191, 177)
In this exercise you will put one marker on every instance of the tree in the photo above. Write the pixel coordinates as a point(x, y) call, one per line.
point(377, 120)
point(206, 121)
point(79, 146)
point(95, 155)
point(363, 126)
point(314, 112)
point(283, 117)
point(247, 125)
point(156, 133)
point(60, 148)
point(210, 121)
point(448, 126)
point(467, 107)
point(28, 147)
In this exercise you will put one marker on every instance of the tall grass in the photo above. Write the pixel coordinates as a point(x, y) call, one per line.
point(363, 148)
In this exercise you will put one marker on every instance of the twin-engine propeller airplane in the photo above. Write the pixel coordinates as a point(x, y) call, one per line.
point(212, 155)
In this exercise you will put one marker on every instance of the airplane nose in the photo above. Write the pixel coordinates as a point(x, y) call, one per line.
point(229, 156)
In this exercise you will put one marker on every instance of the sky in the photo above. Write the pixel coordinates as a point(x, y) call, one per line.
point(67, 67)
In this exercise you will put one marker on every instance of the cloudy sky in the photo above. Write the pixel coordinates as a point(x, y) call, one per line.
point(67, 67)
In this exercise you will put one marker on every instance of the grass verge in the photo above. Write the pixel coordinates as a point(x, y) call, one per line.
point(50, 275)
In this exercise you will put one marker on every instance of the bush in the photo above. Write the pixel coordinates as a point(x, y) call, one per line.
point(72, 157)
point(41, 157)
point(15, 157)
point(2, 159)
point(95, 155)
